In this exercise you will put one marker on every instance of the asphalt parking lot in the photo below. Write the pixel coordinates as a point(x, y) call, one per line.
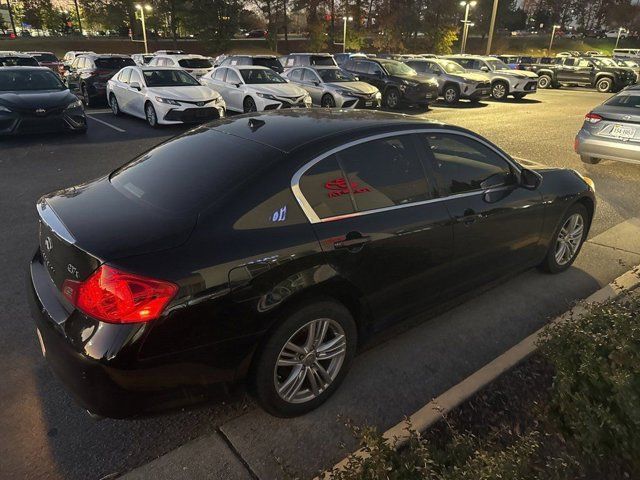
point(45, 435)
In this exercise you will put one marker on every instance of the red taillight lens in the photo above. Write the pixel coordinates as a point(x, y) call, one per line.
point(120, 297)
point(592, 118)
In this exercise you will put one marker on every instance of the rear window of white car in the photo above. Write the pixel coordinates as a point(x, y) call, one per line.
point(195, 63)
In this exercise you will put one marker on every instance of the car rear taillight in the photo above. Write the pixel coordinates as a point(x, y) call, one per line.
point(119, 297)
point(592, 118)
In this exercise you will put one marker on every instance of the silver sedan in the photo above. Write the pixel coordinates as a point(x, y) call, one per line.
point(612, 130)
point(332, 87)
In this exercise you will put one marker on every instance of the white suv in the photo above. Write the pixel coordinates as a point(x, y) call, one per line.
point(196, 65)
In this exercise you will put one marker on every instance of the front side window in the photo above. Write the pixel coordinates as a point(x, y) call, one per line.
point(383, 173)
point(125, 75)
point(114, 63)
point(309, 76)
point(331, 75)
point(218, 74)
point(232, 77)
point(462, 164)
point(326, 190)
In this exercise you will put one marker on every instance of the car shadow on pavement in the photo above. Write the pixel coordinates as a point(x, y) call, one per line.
point(516, 101)
point(464, 105)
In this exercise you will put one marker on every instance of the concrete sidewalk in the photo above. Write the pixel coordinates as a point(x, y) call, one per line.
point(401, 375)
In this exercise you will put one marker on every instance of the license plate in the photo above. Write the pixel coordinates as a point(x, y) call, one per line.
point(484, 92)
point(429, 95)
point(622, 131)
point(368, 104)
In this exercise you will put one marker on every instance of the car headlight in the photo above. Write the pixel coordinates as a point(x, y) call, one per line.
point(307, 99)
point(75, 104)
point(168, 101)
point(4, 109)
point(378, 95)
point(268, 96)
point(345, 93)
point(218, 101)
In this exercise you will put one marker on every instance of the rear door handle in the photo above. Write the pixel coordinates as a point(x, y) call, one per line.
point(468, 217)
point(352, 243)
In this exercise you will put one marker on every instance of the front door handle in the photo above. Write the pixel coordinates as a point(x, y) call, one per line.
point(468, 217)
point(352, 244)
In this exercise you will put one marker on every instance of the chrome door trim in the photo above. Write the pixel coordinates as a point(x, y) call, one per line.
point(314, 218)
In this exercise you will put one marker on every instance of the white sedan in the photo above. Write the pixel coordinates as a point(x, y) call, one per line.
point(163, 96)
point(250, 88)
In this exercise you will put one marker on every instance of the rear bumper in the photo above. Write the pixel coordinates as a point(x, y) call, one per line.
point(607, 148)
point(99, 363)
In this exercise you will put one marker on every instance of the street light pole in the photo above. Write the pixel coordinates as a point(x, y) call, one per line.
point(344, 33)
point(494, 14)
point(13, 25)
point(553, 34)
point(141, 10)
point(620, 30)
point(78, 16)
point(467, 4)
point(466, 37)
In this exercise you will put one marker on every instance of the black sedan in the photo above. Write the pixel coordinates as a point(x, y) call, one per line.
point(272, 245)
point(34, 100)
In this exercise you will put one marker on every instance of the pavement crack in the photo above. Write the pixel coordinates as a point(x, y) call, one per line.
point(236, 452)
point(613, 248)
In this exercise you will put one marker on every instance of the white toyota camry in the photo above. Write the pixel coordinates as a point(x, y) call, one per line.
point(163, 96)
point(250, 88)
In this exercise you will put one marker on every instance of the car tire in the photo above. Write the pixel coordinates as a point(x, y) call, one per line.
point(249, 105)
point(86, 98)
point(289, 379)
point(451, 94)
point(113, 103)
point(500, 90)
point(545, 81)
point(589, 160)
point(151, 115)
point(604, 85)
point(392, 98)
point(327, 101)
point(567, 240)
point(519, 95)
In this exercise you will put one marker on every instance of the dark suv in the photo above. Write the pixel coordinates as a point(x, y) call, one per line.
point(270, 61)
point(398, 82)
point(87, 76)
point(17, 60)
point(603, 74)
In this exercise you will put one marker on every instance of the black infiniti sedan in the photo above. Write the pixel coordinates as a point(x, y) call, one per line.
point(271, 246)
point(34, 100)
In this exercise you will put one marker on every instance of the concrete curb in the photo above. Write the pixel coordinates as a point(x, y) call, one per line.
point(456, 395)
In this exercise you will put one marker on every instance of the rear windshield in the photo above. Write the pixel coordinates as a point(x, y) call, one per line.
point(45, 57)
point(321, 60)
point(195, 63)
point(268, 62)
point(113, 63)
point(626, 100)
point(259, 76)
point(25, 80)
point(191, 172)
point(18, 62)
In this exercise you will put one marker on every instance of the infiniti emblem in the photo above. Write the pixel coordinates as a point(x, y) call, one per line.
point(48, 243)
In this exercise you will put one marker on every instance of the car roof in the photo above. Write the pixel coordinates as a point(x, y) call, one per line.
point(38, 52)
point(15, 54)
point(155, 67)
point(324, 54)
point(247, 67)
point(288, 130)
point(245, 55)
point(16, 67)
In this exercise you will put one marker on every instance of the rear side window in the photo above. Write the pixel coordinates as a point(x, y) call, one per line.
point(115, 63)
point(321, 60)
point(296, 74)
point(383, 173)
point(268, 62)
point(462, 164)
point(195, 63)
point(326, 190)
point(219, 74)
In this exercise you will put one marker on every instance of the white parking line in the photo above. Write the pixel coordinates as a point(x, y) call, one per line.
point(118, 129)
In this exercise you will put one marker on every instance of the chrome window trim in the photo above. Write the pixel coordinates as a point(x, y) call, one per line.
point(314, 218)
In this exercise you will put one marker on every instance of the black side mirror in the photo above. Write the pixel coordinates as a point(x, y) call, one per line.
point(238, 85)
point(530, 179)
point(135, 86)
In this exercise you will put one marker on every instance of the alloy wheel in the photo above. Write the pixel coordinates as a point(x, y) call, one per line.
point(543, 82)
point(569, 239)
point(393, 99)
point(115, 108)
point(310, 360)
point(450, 95)
point(249, 105)
point(499, 91)
point(151, 115)
point(328, 101)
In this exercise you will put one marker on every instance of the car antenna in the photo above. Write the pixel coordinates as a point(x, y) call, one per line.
point(255, 124)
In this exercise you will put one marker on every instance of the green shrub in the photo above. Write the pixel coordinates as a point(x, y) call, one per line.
point(596, 391)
